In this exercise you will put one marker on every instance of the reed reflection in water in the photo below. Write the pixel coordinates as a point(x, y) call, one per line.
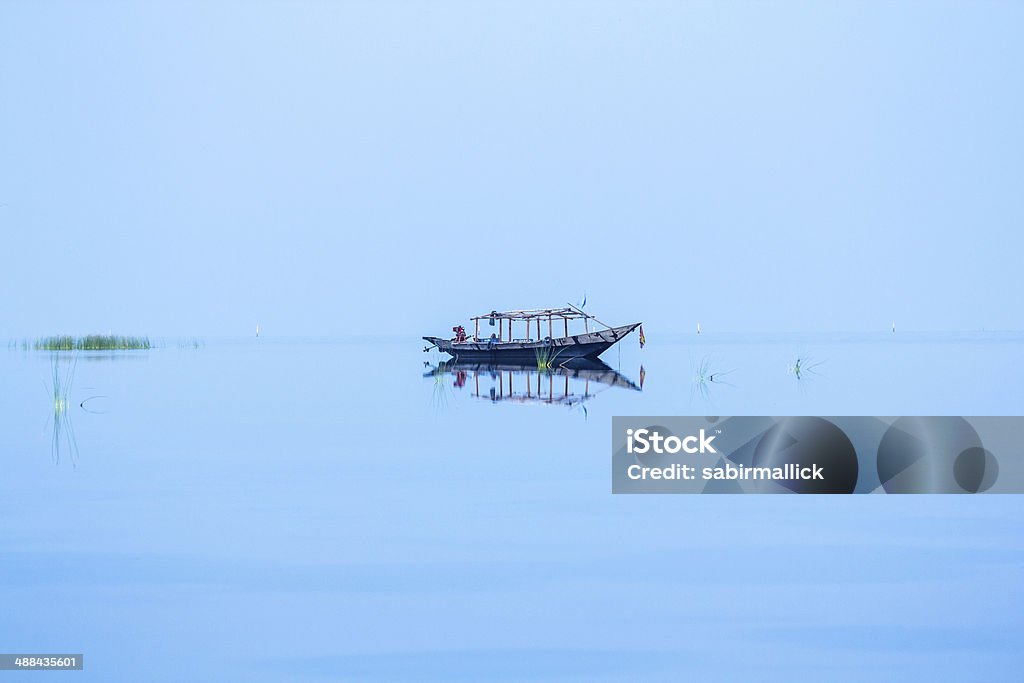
point(63, 435)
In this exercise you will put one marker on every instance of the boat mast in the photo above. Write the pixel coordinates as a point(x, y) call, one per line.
point(587, 316)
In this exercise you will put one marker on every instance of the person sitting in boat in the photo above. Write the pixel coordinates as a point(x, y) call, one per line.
point(460, 334)
point(493, 339)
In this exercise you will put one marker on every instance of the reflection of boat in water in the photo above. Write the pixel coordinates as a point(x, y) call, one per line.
point(567, 384)
point(501, 346)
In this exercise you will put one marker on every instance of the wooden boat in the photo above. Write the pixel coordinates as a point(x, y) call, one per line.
point(534, 345)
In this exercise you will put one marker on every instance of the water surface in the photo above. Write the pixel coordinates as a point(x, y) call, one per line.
point(273, 509)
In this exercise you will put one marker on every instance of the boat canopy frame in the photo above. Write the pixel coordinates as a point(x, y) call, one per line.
point(565, 314)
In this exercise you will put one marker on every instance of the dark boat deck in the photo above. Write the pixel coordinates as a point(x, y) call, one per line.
point(549, 350)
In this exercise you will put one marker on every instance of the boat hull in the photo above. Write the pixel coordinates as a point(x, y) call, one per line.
point(559, 349)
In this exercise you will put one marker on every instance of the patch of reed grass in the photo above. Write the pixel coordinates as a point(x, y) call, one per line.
point(92, 342)
point(546, 357)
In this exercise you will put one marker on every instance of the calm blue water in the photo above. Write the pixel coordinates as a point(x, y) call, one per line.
point(265, 510)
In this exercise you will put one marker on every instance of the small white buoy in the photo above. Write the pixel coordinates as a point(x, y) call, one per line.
point(257, 330)
point(894, 327)
point(698, 328)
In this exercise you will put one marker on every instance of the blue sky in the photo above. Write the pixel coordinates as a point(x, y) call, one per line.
point(324, 168)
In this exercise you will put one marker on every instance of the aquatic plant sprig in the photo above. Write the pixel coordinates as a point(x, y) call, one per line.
point(63, 431)
point(705, 375)
point(804, 365)
point(442, 394)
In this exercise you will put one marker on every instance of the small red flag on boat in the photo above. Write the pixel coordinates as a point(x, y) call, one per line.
point(643, 340)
